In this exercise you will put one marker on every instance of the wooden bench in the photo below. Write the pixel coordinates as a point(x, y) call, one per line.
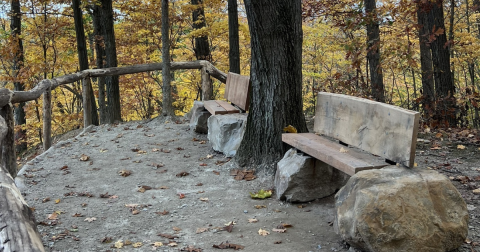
point(389, 132)
point(237, 91)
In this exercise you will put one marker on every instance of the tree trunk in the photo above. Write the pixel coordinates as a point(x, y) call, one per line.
point(166, 77)
point(83, 56)
point(428, 100)
point(112, 84)
point(19, 114)
point(233, 40)
point(202, 47)
point(373, 50)
point(100, 54)
point(8, 158)
point(276, 76)
point(444, 86)
point(47, 119)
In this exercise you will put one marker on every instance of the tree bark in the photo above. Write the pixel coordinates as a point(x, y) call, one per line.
point(201, 46)
point(18, 231)
point(8, 158)
point(276, 76)
point(166, 77)
point(100, 54)
point(428, 90)
point(23, 96)
point(19, 113)
point(112, 84)
point(373, 53)
point(83, 56)
point(233, 40)
point(47, 119)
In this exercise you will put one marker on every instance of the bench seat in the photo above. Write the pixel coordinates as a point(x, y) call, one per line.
point(349, 161)
point(218, 107)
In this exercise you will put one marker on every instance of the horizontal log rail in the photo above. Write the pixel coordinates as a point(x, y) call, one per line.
point(34, 93)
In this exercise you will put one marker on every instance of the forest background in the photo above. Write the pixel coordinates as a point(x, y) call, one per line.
point(337, 55)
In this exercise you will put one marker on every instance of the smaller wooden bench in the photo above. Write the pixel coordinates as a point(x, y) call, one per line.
point(237, 91)
point(388, 132)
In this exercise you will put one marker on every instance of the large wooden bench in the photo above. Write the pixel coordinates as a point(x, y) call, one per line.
point(237, 91)
point(344, 123)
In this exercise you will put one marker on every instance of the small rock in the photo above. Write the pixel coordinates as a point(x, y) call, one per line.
point(245, 211)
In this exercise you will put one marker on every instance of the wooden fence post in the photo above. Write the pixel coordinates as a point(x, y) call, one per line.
point(47, 119)
point(207, 90)
point(87, 106)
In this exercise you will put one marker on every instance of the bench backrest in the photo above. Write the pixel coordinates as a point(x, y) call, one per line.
point(381, 129)
point(237, 90)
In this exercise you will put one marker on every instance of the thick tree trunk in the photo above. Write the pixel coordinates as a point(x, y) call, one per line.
point(83, 56)
point(428, 101)
point(112, 84)
point(7, 157)
point(18, 231)
point(166, 76)
point(373, 53)
point(19, 114)
point(276, 76)
point(444, 86)
point(100, 54)
point(233, 40)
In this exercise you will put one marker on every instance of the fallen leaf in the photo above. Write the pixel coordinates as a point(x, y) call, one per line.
point(216, 172)
point(155, 150)
point(165, 150)
point(47, 199)
point(252, 220)
point(90, 219)
point(342, 150)
point(52, 216)
point(77, 215)
point(182, 174)
point(157, 244)
point(105, 195)
point(199, 184)
point(137, 244)
point(438, 135)
point(228, 245)
point(204, 199)
point(260, 206)
point(290, 129)
point(144, 188)
point(103, 150)
point(262, 194)
point(209, 156)
point(84, 157)
point(302, 206)
point(165, 212)
point(119, 244)
point(163, 187)
point(285, 225)
point(135, 211)
point(277, 242)
point(65, 167)
point(127, 242)
point(141, 152)
point(203, 164)
point(177, 229)
point(202, 142)
point(106, 240)
point(263, 232)
point(279, 230)
point(181, 195)
point(201, 230)
point(461, 147)
point(180, 148)
point(125, 173)
point(476, 191)
point(229, 227)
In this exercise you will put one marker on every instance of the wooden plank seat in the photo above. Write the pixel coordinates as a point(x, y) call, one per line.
point(383, 133)
point(237, 91)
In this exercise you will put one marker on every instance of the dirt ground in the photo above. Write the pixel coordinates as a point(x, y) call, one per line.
point(179, 194)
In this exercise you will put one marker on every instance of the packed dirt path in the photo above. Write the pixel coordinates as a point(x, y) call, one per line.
point(83, 203)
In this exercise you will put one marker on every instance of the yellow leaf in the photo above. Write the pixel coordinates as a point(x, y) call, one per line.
point(57, 201)
point(342, 150)
point(290, 129)
point(263, 232)
point(137, 244)
point(119, 244)
point(262, 194)
point(461, 147)
point(157, 244)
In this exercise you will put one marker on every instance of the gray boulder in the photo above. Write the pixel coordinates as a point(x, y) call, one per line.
point(199, 117)
point(401, 209)
point(225, 132)
point(301, 178)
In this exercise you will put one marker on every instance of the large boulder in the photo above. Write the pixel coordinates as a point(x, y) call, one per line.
point(301, 178)
point(401, 209)
point(225, 132)
point(199, 118)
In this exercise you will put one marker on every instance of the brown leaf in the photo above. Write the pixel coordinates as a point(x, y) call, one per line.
point(279, 230)
point(252, 220)
point(181, 195)
point(229, 228)
point(199, 184)
point(77, 215)
point(263, 232)
point(182, 174)
point(47, 199)
point(125, 173)
point(106, 240)
point(167, 236)
point(277, 242)
point(260, 206)
point(165, 212)
point(163, 187)
point(204, 199)
point(203, 164)
point(84, 157)
point(90, 219)
point(180, 148)
point(145, 188)
point(191, 249)
point(65, 167)
point(105, 195)
point(228, 245)
point(177, 229)
point(135, 211)
point(201, 230)
point(216, 172)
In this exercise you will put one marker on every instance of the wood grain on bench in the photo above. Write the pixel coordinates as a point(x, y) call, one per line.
point(381, 129)
point(237, 90)
point(321, 148)
point(220, 107)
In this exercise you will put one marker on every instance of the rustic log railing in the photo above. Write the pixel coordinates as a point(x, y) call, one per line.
point(17, 227)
